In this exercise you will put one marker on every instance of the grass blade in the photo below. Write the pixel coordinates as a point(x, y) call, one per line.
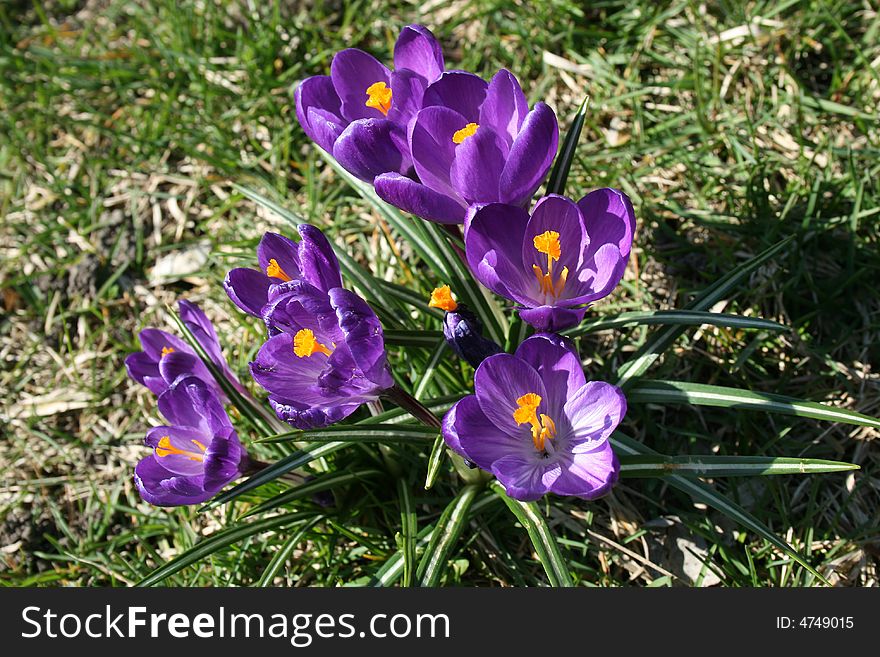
point(446, 534)
point(427, 339)
point(220, 540)
point(320, 483)
point(284, 553)
point(408, 531)
point(546, 547)
point(435, 460)
point(418, 434)
point(702, 492)
point(725, 466)
point(559, 175)
point(698, 394)
point(277, 469)
point(655, 347)
point(674, 317)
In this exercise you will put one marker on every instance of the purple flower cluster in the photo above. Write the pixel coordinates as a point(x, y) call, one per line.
point(449, 147)
point(199, 452)
point(325, 355)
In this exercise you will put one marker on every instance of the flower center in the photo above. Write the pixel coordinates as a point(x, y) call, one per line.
point(441, 298)
point(526, 412)
point(274, 270)
point(379, 97)
point(166, 351)
point(304, 344)
point(548, 243)
point(167, 448)
point(468, 131)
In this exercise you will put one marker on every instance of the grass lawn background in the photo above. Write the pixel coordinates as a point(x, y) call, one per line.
point(729, 124)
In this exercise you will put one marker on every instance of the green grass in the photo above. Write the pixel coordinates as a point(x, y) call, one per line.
point(731, 126)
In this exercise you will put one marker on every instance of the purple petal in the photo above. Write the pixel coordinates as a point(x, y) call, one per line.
point(314, 310)
point(417, 199)
point(433, 149)
point(552, 319)
point(505, 107)
point(468, 431)
point(203, 331)
point(407, 90)
point(479, 161)
point(531, 155)
point(594, 411)
point(369, 147)
point(318, 262)
point(599, 276)
point(460, 91)
point(318, 110)
point(363, 335)
point(499, 382)
point(311, 417)
point(353, 71)
point(155, 340)
point(522, 477)
point(557, 363)
point(589, 475)
point(185, 456)
point(222, 460)
point(160, 487)
point(145, 370)
point(561, 215)
point(190, 402)
point(288, 376)
point(493, 245)
point(179, 364)
point(284, 252)
point(248, 289)
point(419, 51)
point(610, 218)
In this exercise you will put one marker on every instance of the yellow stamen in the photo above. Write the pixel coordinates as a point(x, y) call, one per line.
point(166, 351)
point(441, 298)
point(379, 97)
point(468, 131)
point(304, 344)
point(548, 243)
point(274, 270)
point(526, 412)
point(165, 448)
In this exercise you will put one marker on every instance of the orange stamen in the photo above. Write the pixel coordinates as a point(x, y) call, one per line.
point(441, 298)
point(166, 448)
point(379, 97)
point(468, 131)
point(274, 270)
point(304, 344)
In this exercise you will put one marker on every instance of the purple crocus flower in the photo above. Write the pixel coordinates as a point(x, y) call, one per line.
point(360, 112)
point(473, 142)
point(537, 424)
point(282, 260)
point(165, 357)
point(326, 355)
point(552, 263)
point(196, 454)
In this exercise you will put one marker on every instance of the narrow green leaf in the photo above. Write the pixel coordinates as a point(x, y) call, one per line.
point(662, 340)
point(674, 317)
point(559, 175)
point(392, 569)
point(446, 533)
point(546, 547)
point(355, 433)
point(277, 469)
point(725, 466)
point(702, 492)
point(322, 482)
point(698, 394)
point(427, 339)
point(284, 552)
point(408, 531)
point(435, 460)
point(220, 540)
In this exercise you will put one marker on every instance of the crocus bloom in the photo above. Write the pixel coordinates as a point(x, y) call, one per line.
point(537, 424)
point(166, 357)
point(196, 454)
point(282, 260)
point(360, 112)
point(473, 142)
point(325, 358)
point(462, 329)
point(563, 256)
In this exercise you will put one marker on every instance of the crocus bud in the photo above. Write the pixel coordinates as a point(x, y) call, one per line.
point(462, 329)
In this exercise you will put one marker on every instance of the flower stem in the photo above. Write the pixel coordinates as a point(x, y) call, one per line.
point(412, 406)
